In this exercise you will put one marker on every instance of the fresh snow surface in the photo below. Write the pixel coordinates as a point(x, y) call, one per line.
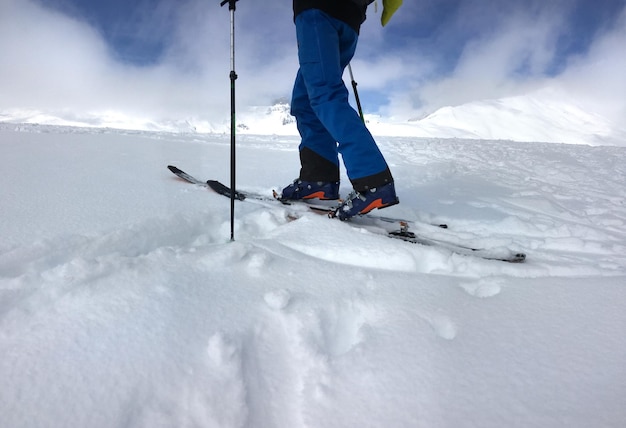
point(123, 302)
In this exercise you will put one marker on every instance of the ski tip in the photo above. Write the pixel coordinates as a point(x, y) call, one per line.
point(519, 258)
point(173, 169)
point(515, 258)
point(224, 190)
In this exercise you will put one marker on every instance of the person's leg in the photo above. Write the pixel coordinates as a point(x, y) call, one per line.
point(325, 47)
point(318, 150)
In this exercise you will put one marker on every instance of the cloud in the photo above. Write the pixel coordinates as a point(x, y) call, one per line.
point(599, 76)
point(34, 67)
point(483, 49)
point(506, 55)
point(433, 53)
point(54, 61)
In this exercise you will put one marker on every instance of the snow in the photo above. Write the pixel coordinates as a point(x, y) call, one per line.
point(551, 114)
point(123, 302)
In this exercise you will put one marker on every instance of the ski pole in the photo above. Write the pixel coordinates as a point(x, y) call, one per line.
point(356, 93)
point(233, 77)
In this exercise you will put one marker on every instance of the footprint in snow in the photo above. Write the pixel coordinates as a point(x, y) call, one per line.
point(257, 262)
point(486, 287)
point(220, 352)
point(344, 326)
point(277, 299)
point(443, 326)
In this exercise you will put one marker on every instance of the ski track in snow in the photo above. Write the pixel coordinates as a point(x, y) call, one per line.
point(123, 303)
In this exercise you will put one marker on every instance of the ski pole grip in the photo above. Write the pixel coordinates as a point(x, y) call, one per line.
point(231, 4)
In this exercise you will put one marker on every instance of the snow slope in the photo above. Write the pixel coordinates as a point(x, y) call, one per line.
point(542, 116)
point(124, 304)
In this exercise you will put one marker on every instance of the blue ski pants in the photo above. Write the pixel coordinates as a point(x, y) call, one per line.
point(328, 125)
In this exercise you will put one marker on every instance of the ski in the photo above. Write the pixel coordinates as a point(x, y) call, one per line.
point(216, 186)
point(499, 255)
point(367, 220)
point(224, 190)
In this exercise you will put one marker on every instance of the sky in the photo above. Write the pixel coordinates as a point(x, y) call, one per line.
point(171, 59)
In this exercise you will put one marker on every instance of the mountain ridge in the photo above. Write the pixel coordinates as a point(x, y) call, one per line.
point(548, 115)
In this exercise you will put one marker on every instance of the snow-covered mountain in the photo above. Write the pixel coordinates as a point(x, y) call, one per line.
point(547, 115)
